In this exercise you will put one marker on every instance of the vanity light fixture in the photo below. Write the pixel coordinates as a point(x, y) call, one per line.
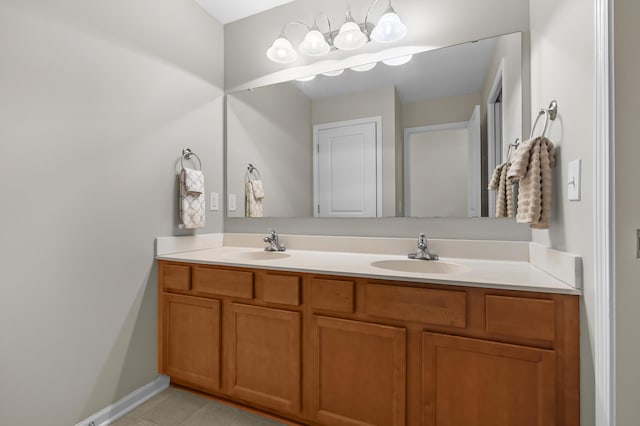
point(401, 60)
point(303, 79)
point(350, 36)
point(365, 67)
point(333, 73)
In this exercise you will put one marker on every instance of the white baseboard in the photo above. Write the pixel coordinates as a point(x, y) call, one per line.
point(113, 412)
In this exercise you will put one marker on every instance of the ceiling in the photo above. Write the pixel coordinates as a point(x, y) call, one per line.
point(452, 71)
point(226, 11)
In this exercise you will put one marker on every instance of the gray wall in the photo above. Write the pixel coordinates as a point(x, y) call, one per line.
point(270, 127)
point(98, 100)
point(508, 52)
point(627, 208)
point(563, 68)
point(453, 109)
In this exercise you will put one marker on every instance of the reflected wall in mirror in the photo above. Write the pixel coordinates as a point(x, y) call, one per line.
point(420, 139)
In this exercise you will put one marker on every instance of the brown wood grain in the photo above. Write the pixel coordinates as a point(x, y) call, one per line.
point(360, 373)
point(479, 383)
point(191, 340)
point(428, 306)
point(281, 289)
point(223, 282)
point(521, 317)
point(264, 348)
point(333, 295)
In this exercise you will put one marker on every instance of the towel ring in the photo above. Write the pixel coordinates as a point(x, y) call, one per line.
point(512, 147)
point(550, 114)
point(187, 154)
point(252, 170)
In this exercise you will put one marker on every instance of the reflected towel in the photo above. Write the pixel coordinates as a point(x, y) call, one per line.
point(531, 167)
point(252, 203)
point(504, 188)
point(191, 203)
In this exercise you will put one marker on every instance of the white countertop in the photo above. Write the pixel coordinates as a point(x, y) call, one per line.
point(500, 274)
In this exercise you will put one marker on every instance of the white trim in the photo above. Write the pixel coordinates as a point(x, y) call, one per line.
point(167, 245)
point(566, 267)
point(377, 120)
point(408, 131)
point(113, 412)
point(605, 371)
point(492, 161)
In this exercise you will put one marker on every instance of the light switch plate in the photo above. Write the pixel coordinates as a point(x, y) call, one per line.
point(232, 203)
point(573, 180)
point(213, 201)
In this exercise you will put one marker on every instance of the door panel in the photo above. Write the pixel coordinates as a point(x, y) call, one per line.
point(359, 373)
point(480, 383)
point(264, 356)
point(191, 333)
point(347, 171)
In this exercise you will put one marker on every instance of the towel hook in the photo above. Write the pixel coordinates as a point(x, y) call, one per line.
point(251, 169)
point(550, 114)
point(512, 147)
point(188, 154)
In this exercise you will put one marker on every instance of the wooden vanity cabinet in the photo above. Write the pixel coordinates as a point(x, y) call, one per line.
point(345, 351)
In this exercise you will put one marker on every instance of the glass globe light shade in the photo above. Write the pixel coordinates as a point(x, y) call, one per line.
point(389, 29)
point(350, 37)
point(333, 73)
point(282, 52)
point(401, 60)
point(309, 78)
point(314, 44)
point(365, 67)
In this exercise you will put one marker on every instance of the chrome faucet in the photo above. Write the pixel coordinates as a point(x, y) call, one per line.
point(422, 251)
point(274, 242)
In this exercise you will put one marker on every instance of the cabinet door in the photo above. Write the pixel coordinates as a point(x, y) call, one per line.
point(479, 383)
point(358, 373)
point(264, 357)
point(191, 340)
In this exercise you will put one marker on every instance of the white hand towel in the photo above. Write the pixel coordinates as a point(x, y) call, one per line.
point(192, 201)
point(252, 205)
point(258, 189)
point(193, 181)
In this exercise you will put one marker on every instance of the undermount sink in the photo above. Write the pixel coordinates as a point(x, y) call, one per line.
point(420, 266)
point(258, 255)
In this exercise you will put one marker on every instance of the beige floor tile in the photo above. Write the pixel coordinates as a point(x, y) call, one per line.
point(150, 404)
point(177, 407)
point(130, 420)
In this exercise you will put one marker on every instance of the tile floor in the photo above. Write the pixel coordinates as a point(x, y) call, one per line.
point(176, 407)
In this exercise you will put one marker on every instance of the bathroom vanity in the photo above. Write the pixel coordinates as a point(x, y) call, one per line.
point(366, 347)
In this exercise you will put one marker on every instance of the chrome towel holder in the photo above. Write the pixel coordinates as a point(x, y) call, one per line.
point(550, 114)
point(252, 173)
point(188, 154)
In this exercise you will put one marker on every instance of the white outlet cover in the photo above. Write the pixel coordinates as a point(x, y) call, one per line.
point(213, 201)
point(573, 180)
point(232, 203)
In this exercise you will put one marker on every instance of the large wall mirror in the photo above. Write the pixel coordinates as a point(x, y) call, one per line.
point(418, 139)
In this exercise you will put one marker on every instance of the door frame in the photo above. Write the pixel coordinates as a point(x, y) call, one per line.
point(377, 120)
point(408, 131)
point(604, 217)
point(492, 153)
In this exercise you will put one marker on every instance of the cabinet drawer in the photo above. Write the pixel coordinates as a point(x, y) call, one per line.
point(282, 289)
point(428, 306)
point(175, 277)
point(521, 317)
point(333, 295)
point(223, 282)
